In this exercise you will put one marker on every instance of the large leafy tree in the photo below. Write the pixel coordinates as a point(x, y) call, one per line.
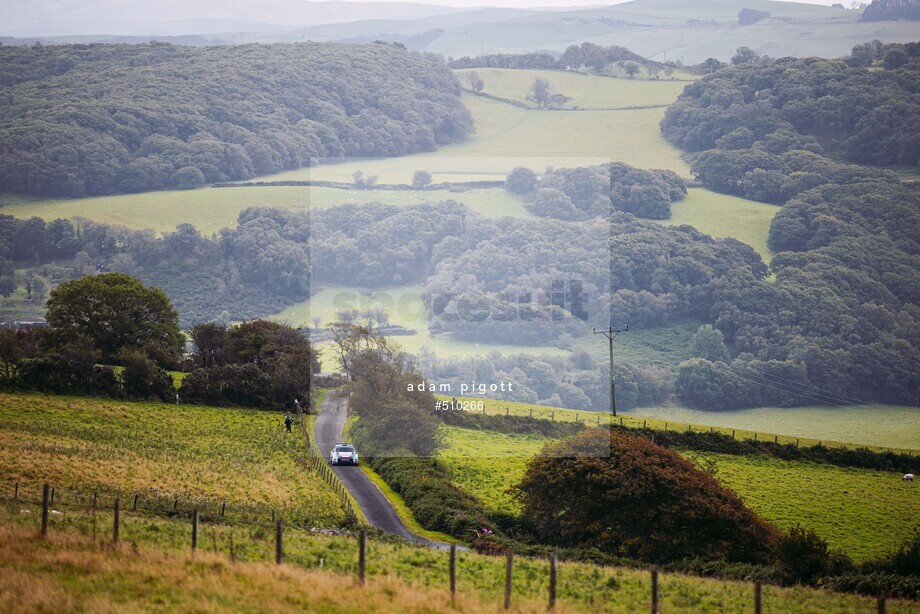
point(626, 495)
point(116, 311)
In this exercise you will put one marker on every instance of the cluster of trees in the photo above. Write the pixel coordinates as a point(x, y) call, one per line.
point(575, 57)
point(254, 364)
point(108, 319)
point(891, 10)
point(99, 119)
point(577, 381)
point(789, 105)
point(395, 417)
point(588, 192)
point(891, 56)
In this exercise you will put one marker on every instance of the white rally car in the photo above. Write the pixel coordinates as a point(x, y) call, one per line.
point(343, 454)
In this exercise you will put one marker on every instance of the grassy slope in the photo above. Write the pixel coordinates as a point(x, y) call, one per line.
point(195, 453)
point(70, 570)
point(865, 513)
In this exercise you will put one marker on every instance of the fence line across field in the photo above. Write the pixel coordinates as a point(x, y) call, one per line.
point(362, 555)
point(635, 422)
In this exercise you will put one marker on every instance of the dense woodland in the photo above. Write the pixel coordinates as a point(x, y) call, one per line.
point(842, 312)
point(80, 120)
point(575, 57)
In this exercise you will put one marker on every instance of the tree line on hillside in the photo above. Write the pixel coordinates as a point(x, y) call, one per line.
point(574, 57)
point(588, 192)
point(81, 120)
point(251, 270)
point(102, 322)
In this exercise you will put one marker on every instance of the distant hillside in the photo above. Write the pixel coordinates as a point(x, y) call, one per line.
point(178, 17)
point(661, 30)
point(89, 120)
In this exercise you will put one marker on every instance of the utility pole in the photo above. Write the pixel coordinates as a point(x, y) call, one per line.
point(611, 333)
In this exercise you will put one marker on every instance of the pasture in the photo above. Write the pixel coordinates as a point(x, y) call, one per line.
point(865, 513)
point(723, 216)
point(586, 92)
point(194, 453)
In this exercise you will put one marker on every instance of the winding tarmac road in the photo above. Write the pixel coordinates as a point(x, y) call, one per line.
point(376, 507)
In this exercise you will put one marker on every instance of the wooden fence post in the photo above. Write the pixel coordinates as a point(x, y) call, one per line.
point(362, 554)
point(116, 523)
point(509, 563)
point(882, 608)
point(134, 507)
point(45, 511)
point(194, 531)
point(758, 598)
point(223, 508)
point(655, 591)
point(453, 570)
point(279, 549)
point(552, 581)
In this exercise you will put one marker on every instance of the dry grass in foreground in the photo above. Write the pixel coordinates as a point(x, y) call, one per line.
point(71, 573)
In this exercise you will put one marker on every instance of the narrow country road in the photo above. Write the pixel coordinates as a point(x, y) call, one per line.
point(376, 507)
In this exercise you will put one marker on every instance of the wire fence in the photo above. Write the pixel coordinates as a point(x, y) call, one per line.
point(127, 508)
point(592, 418)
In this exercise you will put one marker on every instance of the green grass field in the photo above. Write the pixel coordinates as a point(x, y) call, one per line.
point(586, 92)
point(721, 216)
point(162, 451)
point(865, 513)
